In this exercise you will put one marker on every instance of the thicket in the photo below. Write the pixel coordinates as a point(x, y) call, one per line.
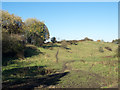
point(16, 33)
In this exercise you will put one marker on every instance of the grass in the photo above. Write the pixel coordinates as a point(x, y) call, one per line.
point(103, 73)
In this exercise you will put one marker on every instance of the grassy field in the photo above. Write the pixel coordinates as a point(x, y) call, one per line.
point(79, 66)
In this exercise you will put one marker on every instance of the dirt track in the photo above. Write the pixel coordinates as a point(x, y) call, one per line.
point(98, 77)
point(93, 80)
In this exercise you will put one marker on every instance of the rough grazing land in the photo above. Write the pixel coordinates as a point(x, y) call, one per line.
point(78, 66)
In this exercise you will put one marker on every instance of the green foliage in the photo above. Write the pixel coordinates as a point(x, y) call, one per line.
point(12, 48)
point(15, 33)
point(53, 39)
point(11, 23)
point(36, 31)
point(11, 44)
point(12, 29)
point(31, 50)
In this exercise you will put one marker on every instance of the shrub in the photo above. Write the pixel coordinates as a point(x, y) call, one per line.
point(74, 42)
point(31, 50)
point(11, 45)
point(64, 44)
point(101, 49)
point(53, 39)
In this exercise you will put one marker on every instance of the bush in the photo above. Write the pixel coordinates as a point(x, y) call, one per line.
point(53, 39)
point(11, 45)
point(74, 42)
point(64, 44)
point(101, 49)
point(31, 50)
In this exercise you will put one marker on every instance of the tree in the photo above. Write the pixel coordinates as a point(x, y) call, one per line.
point(12, 31)
point(11, 24)
point(53, 39)
point(116, 41)
point(36, 32)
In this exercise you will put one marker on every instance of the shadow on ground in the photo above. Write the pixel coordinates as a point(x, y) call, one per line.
point(6, 59)
point(28, 52)
point(31, 52)
point(30, 77)
point(50, 46)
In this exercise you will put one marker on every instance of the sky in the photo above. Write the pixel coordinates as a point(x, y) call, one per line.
point(71, 20)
